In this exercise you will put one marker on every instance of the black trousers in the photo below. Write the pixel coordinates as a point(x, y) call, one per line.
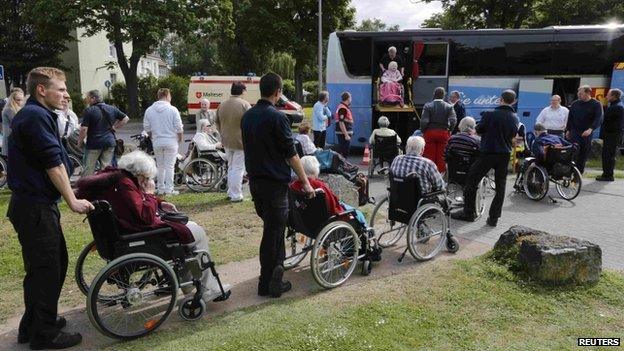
point(271, 202)
point(45, 261)
point(319, 138)
point(478, 170)
point(584, 144)
point(609, 149)
point(344, 145)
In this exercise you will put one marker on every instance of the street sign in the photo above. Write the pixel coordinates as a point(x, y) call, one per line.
point(108, 83)
point(1, 72)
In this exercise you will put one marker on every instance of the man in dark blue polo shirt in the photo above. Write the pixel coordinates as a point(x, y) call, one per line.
point(269, 156)
point(38, 177)
point(99, 124)
point(584, 117)
point(497, 129)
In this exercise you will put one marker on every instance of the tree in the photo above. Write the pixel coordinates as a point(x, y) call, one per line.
point(472, 14)
point(291, 26)
point(375, 25)
point(144, 24)
point(188, 56)
point(29, 39)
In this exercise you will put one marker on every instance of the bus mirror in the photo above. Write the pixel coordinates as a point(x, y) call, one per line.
point(526, 114)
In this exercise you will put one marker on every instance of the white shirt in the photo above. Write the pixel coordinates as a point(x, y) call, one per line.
point(554, 119)
point(306, 144)
point(164, 122)
point(63, 119)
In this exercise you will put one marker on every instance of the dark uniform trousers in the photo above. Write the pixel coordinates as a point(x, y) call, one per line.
point(478, 170)
point(45, 261)
point(609, 149)
point(271, 203)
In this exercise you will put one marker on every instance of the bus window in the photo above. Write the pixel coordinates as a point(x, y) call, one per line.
point(581, 57)
point(357, 55)
point(464, 56)
point(432, 62)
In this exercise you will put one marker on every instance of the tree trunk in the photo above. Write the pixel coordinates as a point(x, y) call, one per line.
point(298, 84)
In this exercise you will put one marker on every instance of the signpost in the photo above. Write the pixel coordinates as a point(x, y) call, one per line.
point(3, 93)
point(108, 84)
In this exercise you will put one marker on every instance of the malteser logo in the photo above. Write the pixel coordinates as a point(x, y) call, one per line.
point(598, 341)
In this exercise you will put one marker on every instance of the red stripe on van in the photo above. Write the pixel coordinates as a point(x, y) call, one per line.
point(198, 105)
point(225, 81)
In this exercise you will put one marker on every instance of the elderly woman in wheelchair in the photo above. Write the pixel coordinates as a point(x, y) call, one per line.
point(552, 161)
point(205, 164)
point(416, 203)
point(336, 233)
point(151, 252)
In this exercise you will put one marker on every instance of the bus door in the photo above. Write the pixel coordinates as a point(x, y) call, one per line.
point(533, 95)
point(429, 69)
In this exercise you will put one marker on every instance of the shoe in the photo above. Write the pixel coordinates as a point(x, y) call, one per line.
point(22, 336)
point(604, 179)
point(62, 340)
point(172, 192)
point(237, 200)
point(462, 216)
point(492, 222)
point(211, 294)
point(276, 286)
point(263, 290)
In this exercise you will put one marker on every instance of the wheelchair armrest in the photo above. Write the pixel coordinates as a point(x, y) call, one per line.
point(147, 234)
point(341, 214)
point(435, 193)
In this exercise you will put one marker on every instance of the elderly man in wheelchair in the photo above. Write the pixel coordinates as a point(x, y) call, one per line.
point(552, 161)
point(417, 204)
point(336, 233)
point(385, 143)
point(151, 252)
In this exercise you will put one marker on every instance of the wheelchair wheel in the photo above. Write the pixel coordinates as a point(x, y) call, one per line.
point(88, 265)
point(297, 247)
point(481, 195)
point(3, 172)
point(78, 168)
point(122, 305)
point(201, 175)
point(191, 309)
point(491, 181)
point(535, 182)
point(426, 234)
point(335, 254)
point(367, 267)
point(388, 232)
point(570, 187)
point(452, 245)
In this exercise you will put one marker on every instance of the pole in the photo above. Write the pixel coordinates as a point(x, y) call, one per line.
point(320, 46)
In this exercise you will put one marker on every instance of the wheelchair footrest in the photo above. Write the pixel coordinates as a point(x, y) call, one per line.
point(223, 296)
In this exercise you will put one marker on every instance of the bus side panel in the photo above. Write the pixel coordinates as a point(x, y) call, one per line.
point(360, 107)
point(481, 94)
point(533, 95)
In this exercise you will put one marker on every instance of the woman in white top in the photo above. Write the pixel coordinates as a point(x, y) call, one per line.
point(304, 139)
point(554, 117)
point(205, 139)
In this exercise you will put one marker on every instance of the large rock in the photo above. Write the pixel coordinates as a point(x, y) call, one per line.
point(550, 258)
point(344, 189)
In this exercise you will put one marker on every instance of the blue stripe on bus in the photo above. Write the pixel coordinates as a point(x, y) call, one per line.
point(360, 107)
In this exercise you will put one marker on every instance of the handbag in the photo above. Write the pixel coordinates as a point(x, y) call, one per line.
point(119, 143)
point(177, 217)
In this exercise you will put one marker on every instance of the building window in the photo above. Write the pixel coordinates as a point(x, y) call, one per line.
point(111, 50)
point(113, 78)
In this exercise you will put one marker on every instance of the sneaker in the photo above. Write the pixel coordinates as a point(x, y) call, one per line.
point(172, 192)
point(211, 294)
point(492, 222)
point(604, 179)
point(62, 340)
point(22, 335)
point(237, 200)
point(462, 216)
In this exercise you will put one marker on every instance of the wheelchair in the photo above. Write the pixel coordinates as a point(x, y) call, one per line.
point(137, 289)
point(204, 172)
point(558, 167)
point(337, 242)
point(384, 150)
point(424, 217)
point(457, 166)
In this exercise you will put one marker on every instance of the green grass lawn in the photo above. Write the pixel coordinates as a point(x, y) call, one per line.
point(462, 305)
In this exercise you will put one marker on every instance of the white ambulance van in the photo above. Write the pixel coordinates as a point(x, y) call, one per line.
point(217, 89)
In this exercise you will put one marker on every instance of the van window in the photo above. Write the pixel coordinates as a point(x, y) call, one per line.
point(357, 53)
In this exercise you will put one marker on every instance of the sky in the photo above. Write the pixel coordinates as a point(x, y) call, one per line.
point(402, 12)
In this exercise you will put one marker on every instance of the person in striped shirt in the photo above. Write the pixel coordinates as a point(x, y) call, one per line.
point(413, 163)
point(466, 142)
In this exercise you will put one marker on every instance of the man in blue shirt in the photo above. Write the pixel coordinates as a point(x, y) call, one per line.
point(38, 177)
point(99, 124)
point(269, 155)
point(320, 115)
point(584, 117)
point(497, 129)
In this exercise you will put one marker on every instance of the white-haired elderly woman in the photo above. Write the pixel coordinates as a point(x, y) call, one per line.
point(130, 191)
point(413, 164)
point(311, 168)
point(466, 142)
point(204, 112)
point(390, 89)
point(206, 138)
point(383, 131)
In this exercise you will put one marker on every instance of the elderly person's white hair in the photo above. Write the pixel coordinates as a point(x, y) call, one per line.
point(392, 49)
point(415, 146)
point(206, 102)
point(383, 122)
point(467, 124)
point(311, 166)
point(139, 164)
point(201, 124)
point(393, 65)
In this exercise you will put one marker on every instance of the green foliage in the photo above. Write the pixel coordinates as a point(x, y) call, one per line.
point(179, 90)
point(192, 54)
point(148, 87)
point(29, 39)
point(119, 95)
point(283, 64)
point(78, 103)
point(312, 87)
point(289, 88)
point(376, 25)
